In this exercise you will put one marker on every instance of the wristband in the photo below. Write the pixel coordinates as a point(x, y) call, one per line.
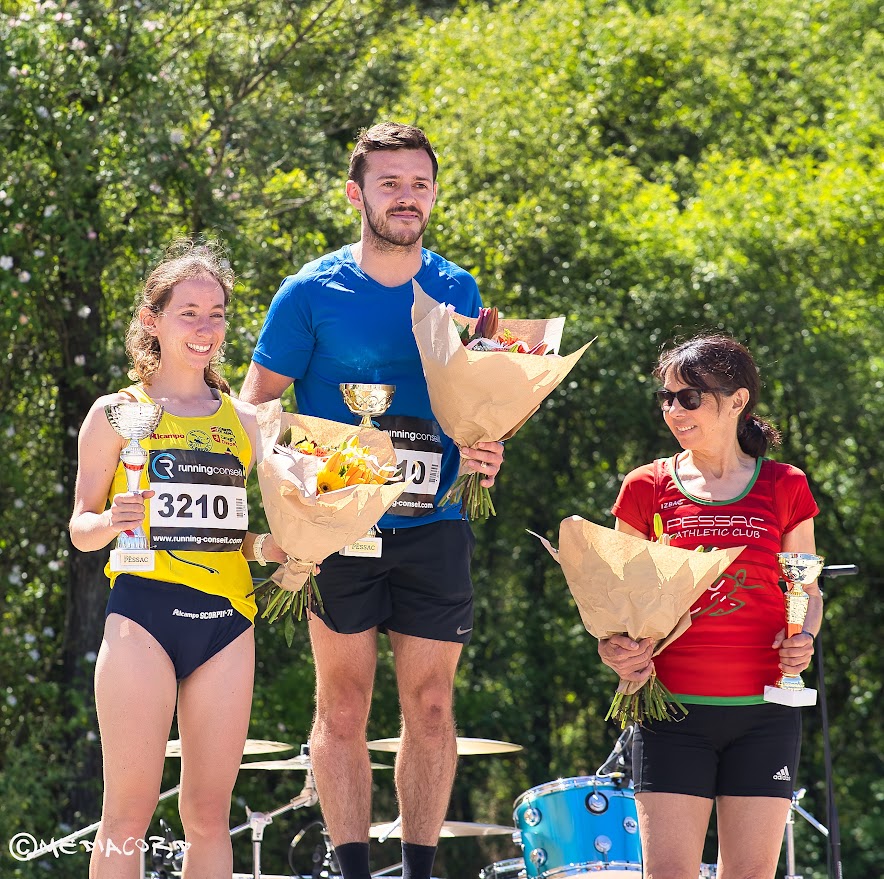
point(257, 547)
point(812, 636)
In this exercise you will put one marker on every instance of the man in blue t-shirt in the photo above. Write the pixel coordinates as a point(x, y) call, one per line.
point(346, 317)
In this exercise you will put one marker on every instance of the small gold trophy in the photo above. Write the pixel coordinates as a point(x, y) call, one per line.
point(367, 400)
point(798, 569)
point(134, 422)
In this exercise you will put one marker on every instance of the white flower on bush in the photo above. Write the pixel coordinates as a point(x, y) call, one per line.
point(6, 262)
point(24, 277)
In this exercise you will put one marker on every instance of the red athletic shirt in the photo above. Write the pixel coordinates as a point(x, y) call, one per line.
point(725, 656)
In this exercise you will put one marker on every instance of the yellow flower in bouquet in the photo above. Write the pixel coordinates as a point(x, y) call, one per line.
point(321, 493)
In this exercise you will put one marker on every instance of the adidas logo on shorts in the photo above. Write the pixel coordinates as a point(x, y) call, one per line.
point(782, 775)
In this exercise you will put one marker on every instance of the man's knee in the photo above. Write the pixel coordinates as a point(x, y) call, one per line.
point(428, 709)
point(342, 713)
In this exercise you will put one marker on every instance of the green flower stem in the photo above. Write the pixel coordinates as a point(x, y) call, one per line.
point(287, 604)
point(652, 701)
point(475, 500)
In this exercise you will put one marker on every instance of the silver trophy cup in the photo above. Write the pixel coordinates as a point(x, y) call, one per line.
point(367, 400)
point(134, 422)
point(798, 569)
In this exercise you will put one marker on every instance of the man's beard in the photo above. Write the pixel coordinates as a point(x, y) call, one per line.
point(385, 239)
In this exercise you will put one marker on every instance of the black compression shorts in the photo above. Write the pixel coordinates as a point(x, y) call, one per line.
point(720, 750)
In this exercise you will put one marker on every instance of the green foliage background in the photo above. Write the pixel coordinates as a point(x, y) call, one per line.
point(646, 169)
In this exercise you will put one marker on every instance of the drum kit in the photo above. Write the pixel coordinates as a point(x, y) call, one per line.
point(584, 827)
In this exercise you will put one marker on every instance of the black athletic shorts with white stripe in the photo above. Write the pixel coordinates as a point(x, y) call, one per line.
point(720, 750)
point(419, 586)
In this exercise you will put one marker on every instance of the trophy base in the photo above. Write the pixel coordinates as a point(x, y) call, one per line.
point(790, 698)
point(122, 560)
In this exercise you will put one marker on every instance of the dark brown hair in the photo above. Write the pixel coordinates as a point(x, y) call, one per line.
point(387, 136)
point(720, 364)
point(185, 260)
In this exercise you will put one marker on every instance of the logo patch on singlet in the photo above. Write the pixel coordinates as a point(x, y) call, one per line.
point(224, 435)
point(199, 441)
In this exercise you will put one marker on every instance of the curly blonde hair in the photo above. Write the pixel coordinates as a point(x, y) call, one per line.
point(185, 259)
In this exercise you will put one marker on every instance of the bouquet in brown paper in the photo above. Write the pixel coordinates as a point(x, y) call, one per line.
point(625, 585)
point(324, 485)
point(485, 381)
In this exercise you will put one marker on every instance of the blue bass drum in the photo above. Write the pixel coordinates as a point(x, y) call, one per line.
point(577, 827)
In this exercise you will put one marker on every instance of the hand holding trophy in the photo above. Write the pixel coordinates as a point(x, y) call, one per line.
point(134, 422)
point(799, 569)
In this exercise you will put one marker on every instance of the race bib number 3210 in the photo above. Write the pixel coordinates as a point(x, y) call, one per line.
point(200, 502)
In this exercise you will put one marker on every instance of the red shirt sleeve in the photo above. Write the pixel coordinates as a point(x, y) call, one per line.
point(793, 499)
point(635, 505)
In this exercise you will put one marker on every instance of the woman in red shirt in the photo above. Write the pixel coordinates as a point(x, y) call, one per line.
point(732, 748)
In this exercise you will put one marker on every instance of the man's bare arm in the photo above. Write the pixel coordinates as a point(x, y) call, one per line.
point(263, 384)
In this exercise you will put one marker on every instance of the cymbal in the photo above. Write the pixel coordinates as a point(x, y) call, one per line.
point(252, 746)
point(464, 746)
point(298, 762)
point(450, 829)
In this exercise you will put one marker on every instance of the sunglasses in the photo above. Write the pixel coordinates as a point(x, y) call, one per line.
point(688, 398)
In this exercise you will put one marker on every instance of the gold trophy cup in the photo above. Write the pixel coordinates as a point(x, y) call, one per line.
point(134, 422)
point(367, 400)
point(798, 569)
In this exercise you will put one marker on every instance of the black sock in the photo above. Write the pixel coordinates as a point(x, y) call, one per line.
point(353, 860)
point(417, 860)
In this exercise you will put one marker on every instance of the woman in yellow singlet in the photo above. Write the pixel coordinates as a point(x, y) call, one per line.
point(178, 637)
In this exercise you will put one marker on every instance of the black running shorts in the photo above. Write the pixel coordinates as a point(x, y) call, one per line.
point(419, 586)
point(720, 750)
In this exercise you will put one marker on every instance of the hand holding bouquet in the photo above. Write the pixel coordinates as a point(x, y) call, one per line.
point(483, 385)
point(324, 485)
point(625, 585)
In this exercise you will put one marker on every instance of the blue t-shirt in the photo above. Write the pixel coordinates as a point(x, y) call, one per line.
point(331, 323)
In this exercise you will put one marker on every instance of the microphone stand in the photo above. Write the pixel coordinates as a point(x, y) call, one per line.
point(257, 821)
point(834, 836)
